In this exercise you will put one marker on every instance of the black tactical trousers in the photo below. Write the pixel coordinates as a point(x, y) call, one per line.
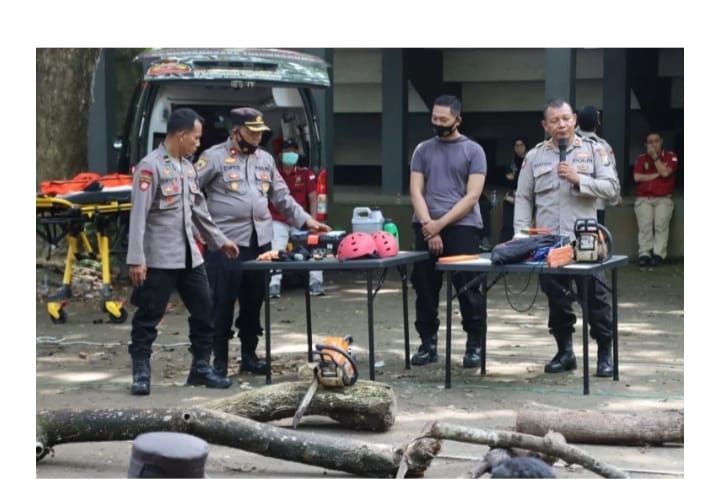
point(562, 318)
point(427, 282)
point(152, 298)
point(230, 284)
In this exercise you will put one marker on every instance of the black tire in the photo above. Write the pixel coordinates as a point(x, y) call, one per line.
point(61, 319)
point(121, 319)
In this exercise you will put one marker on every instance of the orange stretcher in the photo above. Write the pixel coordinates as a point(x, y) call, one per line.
point(106, 210)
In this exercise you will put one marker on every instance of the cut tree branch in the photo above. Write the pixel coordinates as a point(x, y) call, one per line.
point(54, 427)
point(509, 439)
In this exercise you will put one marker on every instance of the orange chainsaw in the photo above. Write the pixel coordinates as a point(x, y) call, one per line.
point(334, 367)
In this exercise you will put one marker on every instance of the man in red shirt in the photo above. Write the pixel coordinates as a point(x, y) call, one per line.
point(301, 182)
point(654, 174)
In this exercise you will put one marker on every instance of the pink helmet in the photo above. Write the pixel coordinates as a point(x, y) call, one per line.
point(385, 243)
point(356, 245)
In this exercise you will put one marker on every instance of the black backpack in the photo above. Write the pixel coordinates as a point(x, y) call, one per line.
point(519, 250)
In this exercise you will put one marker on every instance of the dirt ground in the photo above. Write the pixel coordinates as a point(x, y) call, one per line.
point(85, 364)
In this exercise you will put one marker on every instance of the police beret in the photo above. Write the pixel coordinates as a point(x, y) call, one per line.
point(249, 117)
point(168, 455)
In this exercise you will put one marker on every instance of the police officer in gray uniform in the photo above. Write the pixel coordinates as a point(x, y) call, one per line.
point(162, 254)
point(239, 180)
point(561, 192)
point(588, 120)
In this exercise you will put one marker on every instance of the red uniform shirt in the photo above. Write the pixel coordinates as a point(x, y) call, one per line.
point(660, 186)
point(301, 182)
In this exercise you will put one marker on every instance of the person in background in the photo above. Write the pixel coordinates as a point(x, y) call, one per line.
point(654, 174)
point(588, 120)
point(486, 206)
point(520, 145)
point(301, 182)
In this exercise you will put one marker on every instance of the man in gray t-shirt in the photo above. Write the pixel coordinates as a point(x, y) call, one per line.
point(447, 174)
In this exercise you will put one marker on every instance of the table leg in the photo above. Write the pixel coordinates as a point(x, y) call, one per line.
point(308, 317)
point(371, 336)
point(616, 338)
point(268, 372)
point(448, 323)
point(586, 319)
point(483, 344)
point(406, 322)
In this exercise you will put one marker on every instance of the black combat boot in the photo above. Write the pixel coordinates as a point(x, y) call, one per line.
point(141, 376)
point(427, 352)
point(201, 374)
point(473, 351)
point(565, 358)
point(250, 362)
point(604, 358)
point(220, 352)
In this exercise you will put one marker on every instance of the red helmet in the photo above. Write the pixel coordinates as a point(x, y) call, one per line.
point(356, 245)
point(385, 243)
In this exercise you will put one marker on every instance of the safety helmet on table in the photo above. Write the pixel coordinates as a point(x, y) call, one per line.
point(356, 245)
point(385, 243)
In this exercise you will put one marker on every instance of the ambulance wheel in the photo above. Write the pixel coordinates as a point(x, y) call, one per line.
point(120, 319)
point(61, 319)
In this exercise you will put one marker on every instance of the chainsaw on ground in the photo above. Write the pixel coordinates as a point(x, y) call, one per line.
point(333, 367)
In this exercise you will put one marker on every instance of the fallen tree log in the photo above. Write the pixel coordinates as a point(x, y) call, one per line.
point(58, 426)
point(508, 439)
point(366, 405)
point(596, 427)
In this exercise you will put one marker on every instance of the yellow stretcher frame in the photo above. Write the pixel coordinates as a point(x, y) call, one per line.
point(59, 218)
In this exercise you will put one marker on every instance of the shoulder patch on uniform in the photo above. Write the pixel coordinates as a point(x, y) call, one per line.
point(201, 163)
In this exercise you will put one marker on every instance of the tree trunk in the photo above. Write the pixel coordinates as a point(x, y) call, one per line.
point(595, 427)
point(366, 405)
point(54, 427)
point(64, 79)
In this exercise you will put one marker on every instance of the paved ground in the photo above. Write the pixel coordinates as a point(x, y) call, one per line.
point(85, 364)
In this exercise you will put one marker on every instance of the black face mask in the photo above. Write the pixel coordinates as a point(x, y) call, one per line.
point(246, 147)
point(443, 131)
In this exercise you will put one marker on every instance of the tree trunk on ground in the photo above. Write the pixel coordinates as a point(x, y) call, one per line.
point(54, 427)
point(366, 405)
point(64, 79)
point(596, 427)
